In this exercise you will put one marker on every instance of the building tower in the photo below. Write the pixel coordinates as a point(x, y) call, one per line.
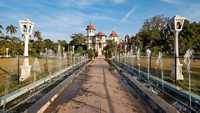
point(90, 36)
point(114, 36)
point(101, 42)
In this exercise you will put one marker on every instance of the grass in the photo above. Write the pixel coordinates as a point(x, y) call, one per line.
point(11, 65)
point(167, 67)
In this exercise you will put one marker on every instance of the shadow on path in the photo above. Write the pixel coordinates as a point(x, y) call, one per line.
point(106, 89)
point(85, 104)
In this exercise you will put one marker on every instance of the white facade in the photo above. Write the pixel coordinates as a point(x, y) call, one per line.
point(97, 41)
point(90, 32)
point(114, 36)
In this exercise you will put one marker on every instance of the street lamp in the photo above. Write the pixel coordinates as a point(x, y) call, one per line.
point(26, 27)
point(148, 52)
point(187, 61)
point(73, 58)
point(125, 45)
point(46, 57)
point(7, 49)
point(176, 25)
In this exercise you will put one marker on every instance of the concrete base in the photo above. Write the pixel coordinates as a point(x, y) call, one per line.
point(25, 70)
point(179, 75)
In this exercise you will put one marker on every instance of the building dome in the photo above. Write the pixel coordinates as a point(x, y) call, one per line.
point(101, 34)
point(90, 27)
point(113, 34)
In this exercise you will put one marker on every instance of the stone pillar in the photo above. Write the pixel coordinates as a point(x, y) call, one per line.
point(177, 67)
point(25, 68)
point(26, 27)
point(7, 52)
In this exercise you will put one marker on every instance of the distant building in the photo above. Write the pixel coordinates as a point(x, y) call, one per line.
point(98, 41)
point(114, 36)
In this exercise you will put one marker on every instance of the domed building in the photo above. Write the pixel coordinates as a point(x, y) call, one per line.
point(98, 41)
point(114, 36)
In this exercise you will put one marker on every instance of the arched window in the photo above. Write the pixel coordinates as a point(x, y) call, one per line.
point(24, 28)
point(29, 29)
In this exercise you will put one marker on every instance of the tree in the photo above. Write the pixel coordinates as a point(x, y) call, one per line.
point(1, 28)
point(137, 40)
point(37, 34)
point(91, 53)
point(150, 32)
point(49, 44)
point(77, 39)
point(80, 50)
point(2, 51)
point(11, 29)
point(37, 46)
point(110, 48)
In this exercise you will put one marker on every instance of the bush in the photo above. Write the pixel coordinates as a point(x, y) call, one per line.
point(91, 53)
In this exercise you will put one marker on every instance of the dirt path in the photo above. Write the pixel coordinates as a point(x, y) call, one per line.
point(100, 92)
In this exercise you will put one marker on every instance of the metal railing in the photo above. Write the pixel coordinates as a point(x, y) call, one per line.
point(157, 82)
point(13, 95)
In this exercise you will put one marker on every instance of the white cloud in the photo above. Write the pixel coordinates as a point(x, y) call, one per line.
point(78, 3)
point(61, 26)
point(169, 1)
point(126, 16)
point(176, 2)
point(118, 1)
point(3, 5)
point(192, 12)
point(100, 17)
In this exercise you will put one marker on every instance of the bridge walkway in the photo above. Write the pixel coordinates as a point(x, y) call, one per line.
point(97, 90)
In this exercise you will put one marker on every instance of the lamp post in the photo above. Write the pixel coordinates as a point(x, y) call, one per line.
point(7, 49)
point(26, 28)
point(148, 52)
point(138, 62)
point(46, 59)
point(176, 25)
point(73, 59)
point(187, 61)
point(125, 46)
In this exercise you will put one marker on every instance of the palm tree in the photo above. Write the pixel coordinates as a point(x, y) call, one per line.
point(11, 29)
point(1, 28)
point(37, 34)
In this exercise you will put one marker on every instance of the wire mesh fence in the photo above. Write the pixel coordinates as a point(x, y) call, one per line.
point(47, 67)
point(156, 70)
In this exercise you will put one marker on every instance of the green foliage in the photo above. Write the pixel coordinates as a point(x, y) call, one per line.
point(151, 36)
point(37, 34)
point(70, 48)
point(49, 44)
point(2, 51)
point(110, 49)
point(150, 33)
point(91, 53)
point(78, 40)
point(11, 29)
point(1, 28)
point(80, 50)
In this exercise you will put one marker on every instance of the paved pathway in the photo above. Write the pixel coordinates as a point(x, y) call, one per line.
point(97, 90)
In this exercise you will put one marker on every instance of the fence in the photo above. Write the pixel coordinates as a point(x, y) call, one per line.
point(47, 65)
point(156, 70)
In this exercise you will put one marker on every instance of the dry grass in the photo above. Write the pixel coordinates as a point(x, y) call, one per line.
point(167, 66)
point(11, 65)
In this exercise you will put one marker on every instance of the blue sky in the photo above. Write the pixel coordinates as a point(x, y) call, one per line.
point(58, 19)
